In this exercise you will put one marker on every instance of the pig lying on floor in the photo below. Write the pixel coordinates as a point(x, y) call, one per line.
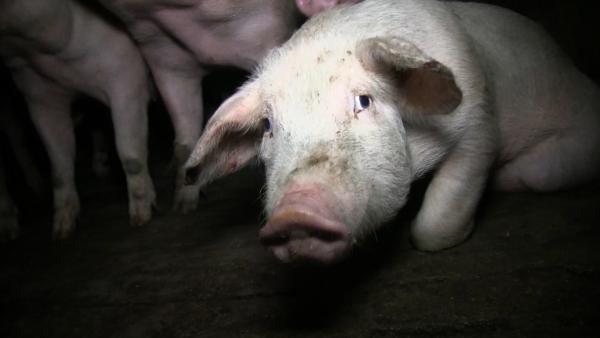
point(365, 99)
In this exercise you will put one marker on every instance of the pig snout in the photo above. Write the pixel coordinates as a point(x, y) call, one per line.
point(304, 228)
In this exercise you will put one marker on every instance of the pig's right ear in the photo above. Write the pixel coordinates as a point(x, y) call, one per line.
point(230, 139)
point(423, 85)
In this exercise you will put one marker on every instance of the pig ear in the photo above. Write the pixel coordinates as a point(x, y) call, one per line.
point(312, 7)
point(230, 139)
point(425, 86)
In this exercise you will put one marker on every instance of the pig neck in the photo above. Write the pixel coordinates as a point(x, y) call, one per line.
point(426, 148)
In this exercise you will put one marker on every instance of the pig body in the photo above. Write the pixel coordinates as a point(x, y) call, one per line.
point(182, 39)
point(363, 100)
point(56, 49)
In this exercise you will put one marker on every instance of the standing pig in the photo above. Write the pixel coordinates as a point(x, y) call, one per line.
point(56, 49)
point(363, 100)
point(180, 39)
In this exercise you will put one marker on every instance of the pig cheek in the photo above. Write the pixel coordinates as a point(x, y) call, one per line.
point(385, 166)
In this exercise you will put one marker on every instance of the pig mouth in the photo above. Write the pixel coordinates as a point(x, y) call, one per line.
point(305, 230)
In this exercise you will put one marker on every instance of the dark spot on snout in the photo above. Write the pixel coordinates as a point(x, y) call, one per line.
point(317, 158)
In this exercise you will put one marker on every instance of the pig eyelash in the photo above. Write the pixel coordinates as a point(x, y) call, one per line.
point(361, 102)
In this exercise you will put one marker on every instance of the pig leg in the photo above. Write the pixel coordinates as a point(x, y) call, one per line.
point(9, 226)
point(179, 81)
point(558, 162)
point(129, 115)
point(446, 216)
point(183, 98)
point(50, 109)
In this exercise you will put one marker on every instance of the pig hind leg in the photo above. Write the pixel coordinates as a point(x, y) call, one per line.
point(182, 95)
point(129, 114)
point(49, 106)
point(559, 161)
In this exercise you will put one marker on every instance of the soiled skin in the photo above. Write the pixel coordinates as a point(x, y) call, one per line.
point(56, 49)
point(181, 39)
point(345, 122)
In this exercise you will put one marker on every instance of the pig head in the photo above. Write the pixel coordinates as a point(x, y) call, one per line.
point(333, 140)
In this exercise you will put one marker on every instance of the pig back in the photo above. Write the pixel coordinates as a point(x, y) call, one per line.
point(43, 25)
point(535, 89)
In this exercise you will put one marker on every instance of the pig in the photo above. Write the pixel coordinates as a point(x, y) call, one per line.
point(364, 100)
point(56, 49)
point(181, 39)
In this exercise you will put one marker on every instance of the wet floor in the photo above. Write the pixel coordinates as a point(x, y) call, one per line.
point(530, 269)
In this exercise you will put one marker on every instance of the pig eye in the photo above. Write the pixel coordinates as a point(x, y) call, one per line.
point(267, 124)
point(361, 102)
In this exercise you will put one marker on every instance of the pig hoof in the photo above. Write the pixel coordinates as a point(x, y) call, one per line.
point(140, 212)
point(64, 223)
point(186, 199)
point(142, 199)
point(436, 239)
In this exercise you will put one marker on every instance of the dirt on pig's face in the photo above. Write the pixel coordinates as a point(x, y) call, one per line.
point(335, 155)
point(328, 117)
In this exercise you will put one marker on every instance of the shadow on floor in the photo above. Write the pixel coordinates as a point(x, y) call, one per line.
point(530, 269)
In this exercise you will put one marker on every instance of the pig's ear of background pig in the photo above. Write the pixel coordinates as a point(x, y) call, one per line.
point(424, 85)
point(312, 7)
point(230, 139)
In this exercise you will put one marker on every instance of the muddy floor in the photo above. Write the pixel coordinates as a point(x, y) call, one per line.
point(530, 269)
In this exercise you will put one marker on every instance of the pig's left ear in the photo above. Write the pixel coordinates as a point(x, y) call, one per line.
point(230, 139)
point(425, 86)
point(312, 7)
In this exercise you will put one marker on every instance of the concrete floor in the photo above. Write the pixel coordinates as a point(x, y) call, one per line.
point(530, 269)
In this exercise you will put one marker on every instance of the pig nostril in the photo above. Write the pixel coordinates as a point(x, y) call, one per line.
point(275, 239)
point(296, 231)
point(326, 236)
